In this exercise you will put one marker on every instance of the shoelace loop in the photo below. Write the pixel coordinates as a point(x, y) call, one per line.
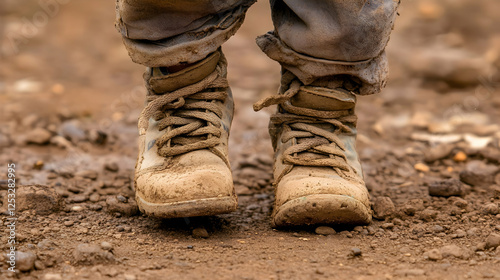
point(190, 115)
point(312, 145)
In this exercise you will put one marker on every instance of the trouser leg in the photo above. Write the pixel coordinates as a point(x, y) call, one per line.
point(319, 38)
point(164, 33)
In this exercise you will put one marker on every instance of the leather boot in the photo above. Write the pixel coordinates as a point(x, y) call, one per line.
point(182, 168)
point(317, 174)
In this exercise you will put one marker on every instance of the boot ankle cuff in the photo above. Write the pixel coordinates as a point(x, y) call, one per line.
point(159, 84)
point(372, 72)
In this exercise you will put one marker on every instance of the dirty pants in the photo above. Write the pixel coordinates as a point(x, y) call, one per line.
point(311, 38)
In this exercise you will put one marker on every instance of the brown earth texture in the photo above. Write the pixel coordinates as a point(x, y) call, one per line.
point(429, 145)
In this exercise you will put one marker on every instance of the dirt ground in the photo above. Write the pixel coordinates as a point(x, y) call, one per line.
point(429, 145)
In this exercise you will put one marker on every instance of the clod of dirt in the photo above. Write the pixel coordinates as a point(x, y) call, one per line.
point(323, 230)
point(387, 226)
point(355, 252)
point(106, 246)
point(434, 255)
point(490, 209)
point(428, 215)
point(492, 241)
point(39, 136)
point(460, 203)
point(481, 246)
point(454, 251)
point(478, 173)
point(413, 206)
point(89, 174)
point(90, 254)
point(446, 188)
point(383, 207)
point(61, 142)
point(46, 244)
point(25, 261)
point(95, 197)
point(79, 198)
point(127, 208)
point(41, 199)
point(200, 233)
point(437, 152)
point(459, 234)
point(111, 166)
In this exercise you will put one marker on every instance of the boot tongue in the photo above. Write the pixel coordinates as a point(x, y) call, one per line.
point(161, 83)
point(324, 99)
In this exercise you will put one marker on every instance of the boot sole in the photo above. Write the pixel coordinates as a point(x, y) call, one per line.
point(190, 208)
point(321, 209)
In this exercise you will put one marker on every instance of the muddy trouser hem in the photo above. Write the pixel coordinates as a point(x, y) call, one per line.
point(322, 38)
point(187, 46)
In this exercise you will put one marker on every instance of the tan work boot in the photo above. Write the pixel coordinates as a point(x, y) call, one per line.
point(183, 169)
point(317, 174)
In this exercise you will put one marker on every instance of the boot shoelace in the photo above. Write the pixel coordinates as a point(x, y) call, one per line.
point(190, 114)
point(297, 124)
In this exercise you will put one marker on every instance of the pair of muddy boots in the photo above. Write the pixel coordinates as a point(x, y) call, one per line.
point(183, 168)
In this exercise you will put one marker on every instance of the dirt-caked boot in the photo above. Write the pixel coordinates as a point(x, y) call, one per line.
point(317, 174)
point(183, 168)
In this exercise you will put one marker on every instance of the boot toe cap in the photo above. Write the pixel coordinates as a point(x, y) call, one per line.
point(306, 200)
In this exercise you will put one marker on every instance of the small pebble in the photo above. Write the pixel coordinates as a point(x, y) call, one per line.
point(461, 233)
point(446, 188)
point(383, 207)
point(421, 167)
point(434, 255)
point(39, 136)
point(492, 241)
point(76, 208)
point(95, 197)
point(387, 225)
point(490, 209)
point(437, 228)
point(460, 157)
point(200, 233)
point(69, 223)
point(323, 230)
point(38, 165)
point(25, 261)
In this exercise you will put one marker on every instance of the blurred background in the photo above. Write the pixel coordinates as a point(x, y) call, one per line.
point(70, 97)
